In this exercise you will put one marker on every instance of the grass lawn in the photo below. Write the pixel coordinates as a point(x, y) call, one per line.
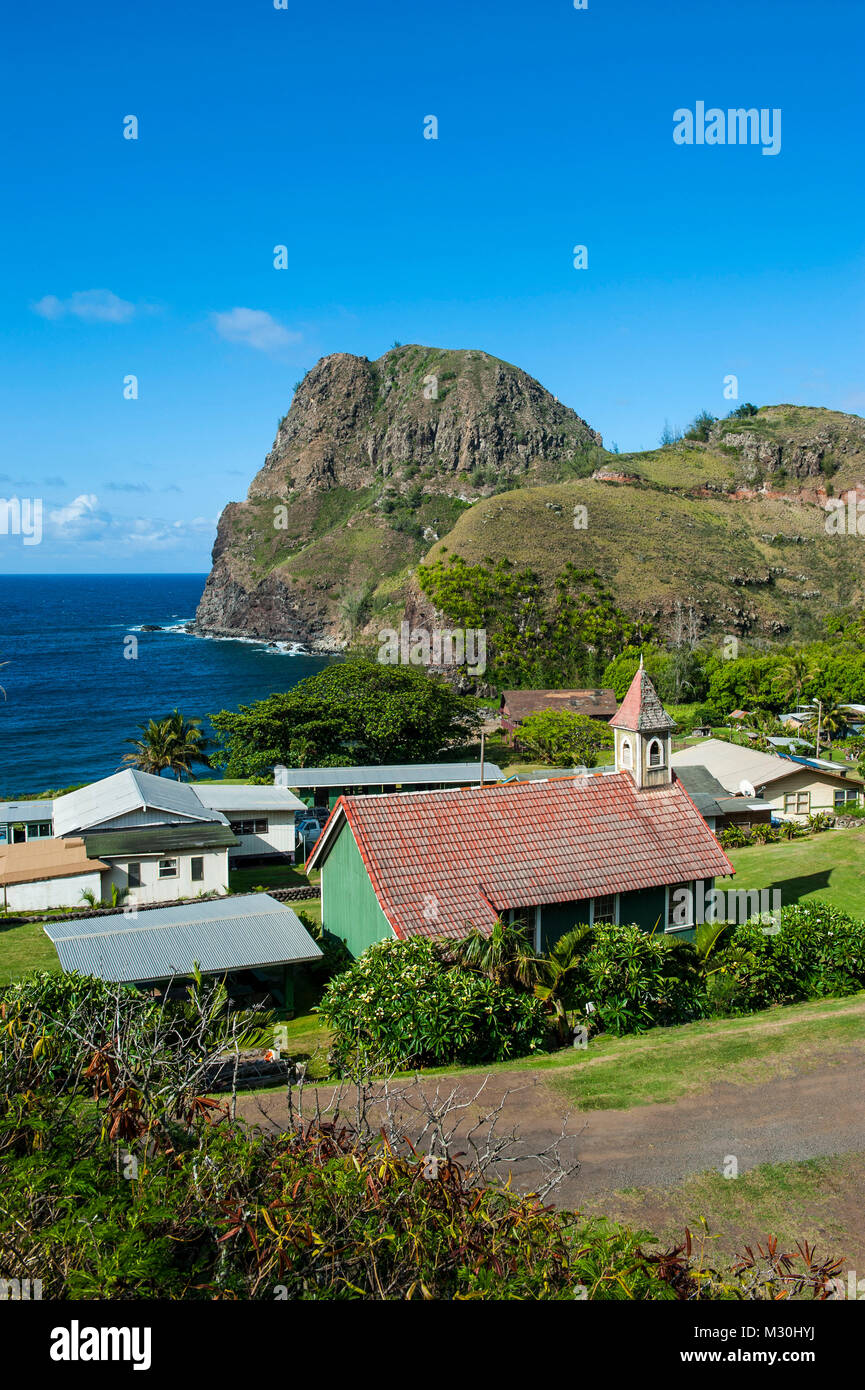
point(246, 880)
point(818, 1199)
point(25, 948)
point(666, 1063)
point(827, 866)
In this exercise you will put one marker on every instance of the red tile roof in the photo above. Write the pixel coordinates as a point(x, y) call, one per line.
point(440, 860)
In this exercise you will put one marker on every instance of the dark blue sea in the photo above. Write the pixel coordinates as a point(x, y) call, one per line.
point(71, 696)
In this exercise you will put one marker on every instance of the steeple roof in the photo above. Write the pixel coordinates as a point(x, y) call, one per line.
point(641, 710)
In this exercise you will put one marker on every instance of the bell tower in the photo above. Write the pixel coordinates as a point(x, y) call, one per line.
point(642, 730)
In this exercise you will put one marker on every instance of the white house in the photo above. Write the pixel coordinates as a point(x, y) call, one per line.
point(48, 873)
point(21, 821)
point(262, 818)
point(156, 837)
point(794, 787)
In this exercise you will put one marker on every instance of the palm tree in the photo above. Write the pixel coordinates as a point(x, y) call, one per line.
point(153, 750)
point(190, 744)
point(828, 719)
point(505, 954)
point(794, 675)
point(560, 969)
point(171, 744)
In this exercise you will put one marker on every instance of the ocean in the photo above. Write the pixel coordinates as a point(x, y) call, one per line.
point(71, 695)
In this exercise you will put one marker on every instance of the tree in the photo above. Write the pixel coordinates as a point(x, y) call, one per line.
point(171, 744)
point(563, 737)
point(827, 721)
point(794, 674)
point(505, 954)
point(353, 712)
point(535, 638)
point(561, 970)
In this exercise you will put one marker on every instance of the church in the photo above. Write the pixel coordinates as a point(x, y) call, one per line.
point(549, 854)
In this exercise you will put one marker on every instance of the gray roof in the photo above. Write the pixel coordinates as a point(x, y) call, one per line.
point(225, 797)
point(158, 839)
point(711, 797)
point(26, 810)
point(392, 774)
point(129, 790)
point(733, 763)
point(221, 934)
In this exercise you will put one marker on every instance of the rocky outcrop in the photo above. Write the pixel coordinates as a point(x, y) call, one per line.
point(325, 517)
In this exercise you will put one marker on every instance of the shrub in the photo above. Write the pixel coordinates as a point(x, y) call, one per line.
point(400, 1005)
point(638, 980)
point(815, 951)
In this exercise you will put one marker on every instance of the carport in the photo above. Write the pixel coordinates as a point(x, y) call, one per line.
point(221, 936)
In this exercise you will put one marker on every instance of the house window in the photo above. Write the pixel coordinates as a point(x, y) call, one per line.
point(249, 827)
point(680, 906)
point(797, 803)
point(197, 863)
point(168, 868)
point(133, 875)
point(3, 833)
point(656, 753)
point(522, 917)
point(627, 760)
point(845, 794)
point(39, 830)
point(604, 909)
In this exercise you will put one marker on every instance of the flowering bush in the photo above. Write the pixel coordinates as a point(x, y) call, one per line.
point(637, 980)
point(813, 951)
point(400, 1005)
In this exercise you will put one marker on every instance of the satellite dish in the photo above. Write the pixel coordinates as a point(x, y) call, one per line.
point(746, 789)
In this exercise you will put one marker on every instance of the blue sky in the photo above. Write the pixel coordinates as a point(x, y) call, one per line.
point(304, 127)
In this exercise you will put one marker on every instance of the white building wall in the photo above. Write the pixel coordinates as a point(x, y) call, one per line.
point(278, 839)
point(52, 892)
point(161, 890)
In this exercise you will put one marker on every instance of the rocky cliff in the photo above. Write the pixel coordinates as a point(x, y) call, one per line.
point(374, 461)
point(378, 465)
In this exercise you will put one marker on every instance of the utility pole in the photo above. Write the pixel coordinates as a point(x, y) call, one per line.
point(483, 743)
point(819, 722)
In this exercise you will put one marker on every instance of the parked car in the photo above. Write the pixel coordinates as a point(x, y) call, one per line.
point(307, 831)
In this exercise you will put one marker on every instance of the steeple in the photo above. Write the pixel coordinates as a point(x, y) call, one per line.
point(642, 729)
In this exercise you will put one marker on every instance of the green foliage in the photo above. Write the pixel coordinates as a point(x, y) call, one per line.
point(401, 1005)
point(743, 412)
point(563, 737)
point(638, 980)
point(813, 951)
point(171, 744)
point(701, 426)
point(534, 639)
point(356, 711)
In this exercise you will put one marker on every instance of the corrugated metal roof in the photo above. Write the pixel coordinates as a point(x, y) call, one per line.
point(26, 810)
point(393, 774)
point(155, 839)
point(123, 792)
point(245, 798)
point(222, 934)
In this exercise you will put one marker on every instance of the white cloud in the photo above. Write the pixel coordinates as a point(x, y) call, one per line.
point(92, 306)
point(254, 328)
point(80, 519)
